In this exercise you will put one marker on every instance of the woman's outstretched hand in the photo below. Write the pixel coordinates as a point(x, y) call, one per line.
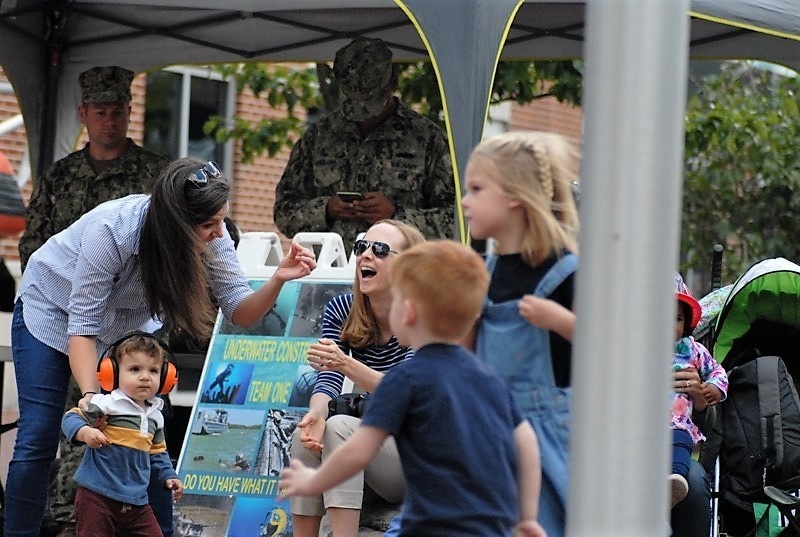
point(299, 262)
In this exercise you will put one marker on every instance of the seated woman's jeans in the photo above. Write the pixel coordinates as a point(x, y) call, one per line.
point(692, 516)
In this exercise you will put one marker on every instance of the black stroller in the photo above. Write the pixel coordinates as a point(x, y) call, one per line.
point(755, 447)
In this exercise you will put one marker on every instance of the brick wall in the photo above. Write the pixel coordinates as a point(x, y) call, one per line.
point(254, 184)
point(548, 115)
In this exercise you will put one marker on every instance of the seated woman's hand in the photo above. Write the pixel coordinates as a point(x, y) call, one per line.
point(325, 355)
point(312, 427)
point(688, 381)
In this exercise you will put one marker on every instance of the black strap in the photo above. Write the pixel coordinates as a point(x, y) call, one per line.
point(770, 408)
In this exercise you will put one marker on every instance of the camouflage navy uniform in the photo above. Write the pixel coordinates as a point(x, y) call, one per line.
point(69, 188)
point(406, 156)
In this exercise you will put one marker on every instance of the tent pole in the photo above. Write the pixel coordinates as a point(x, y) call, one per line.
point(636, 55)
point(476, 36)
point(56, 25)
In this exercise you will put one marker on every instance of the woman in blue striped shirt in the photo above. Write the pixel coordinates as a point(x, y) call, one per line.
point(123, 266)
point(357, 343)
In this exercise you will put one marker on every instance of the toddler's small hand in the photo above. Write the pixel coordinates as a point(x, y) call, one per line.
point(711, 393)
point(176, 486)
point(92, 437)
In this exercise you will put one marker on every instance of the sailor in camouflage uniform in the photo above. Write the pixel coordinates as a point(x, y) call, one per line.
point(109, 166)
point(374, 145)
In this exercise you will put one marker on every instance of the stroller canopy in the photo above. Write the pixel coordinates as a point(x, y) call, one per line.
point(768, 293)
point(711, 304)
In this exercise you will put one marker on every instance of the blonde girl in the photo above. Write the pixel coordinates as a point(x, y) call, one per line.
point(519, 196)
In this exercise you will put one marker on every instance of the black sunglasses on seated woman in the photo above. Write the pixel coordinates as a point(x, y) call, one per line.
point(380, 249)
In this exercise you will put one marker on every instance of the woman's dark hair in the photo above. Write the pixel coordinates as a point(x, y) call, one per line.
point(173, 272)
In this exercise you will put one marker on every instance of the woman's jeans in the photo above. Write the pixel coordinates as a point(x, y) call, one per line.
point(42, 374)
point(691, 517)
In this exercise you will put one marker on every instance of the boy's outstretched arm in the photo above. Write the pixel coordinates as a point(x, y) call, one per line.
point(348, 459)
point(529, 476)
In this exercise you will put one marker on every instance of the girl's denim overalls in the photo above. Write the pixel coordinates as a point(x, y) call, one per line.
point(521, 354)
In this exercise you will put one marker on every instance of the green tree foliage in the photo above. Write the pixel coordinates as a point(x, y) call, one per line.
point(742, 169)
point(517, 81)
point(314, 89)
point(282, 87)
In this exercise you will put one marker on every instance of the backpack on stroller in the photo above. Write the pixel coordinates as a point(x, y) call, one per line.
point(756, 440)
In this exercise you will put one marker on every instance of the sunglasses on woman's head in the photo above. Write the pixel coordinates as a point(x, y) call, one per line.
point(209, 169)
point(380, 249)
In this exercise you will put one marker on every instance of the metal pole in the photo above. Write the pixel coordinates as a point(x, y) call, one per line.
point(636, 54)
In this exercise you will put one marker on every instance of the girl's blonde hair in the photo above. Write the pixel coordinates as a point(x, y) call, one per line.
point(361, 328)
point(538, 169)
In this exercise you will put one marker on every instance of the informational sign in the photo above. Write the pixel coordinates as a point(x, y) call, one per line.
point(254, 389)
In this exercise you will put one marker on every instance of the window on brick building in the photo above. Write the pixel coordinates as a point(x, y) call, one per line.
point(178, 102)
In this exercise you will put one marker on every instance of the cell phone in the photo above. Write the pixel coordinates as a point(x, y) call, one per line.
point(350, 196)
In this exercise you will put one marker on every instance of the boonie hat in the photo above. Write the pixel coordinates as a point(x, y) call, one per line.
point(363, 70)
point(683, 294)
point(105, 84)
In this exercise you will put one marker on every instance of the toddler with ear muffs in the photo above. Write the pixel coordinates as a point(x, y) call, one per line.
point(114, 474)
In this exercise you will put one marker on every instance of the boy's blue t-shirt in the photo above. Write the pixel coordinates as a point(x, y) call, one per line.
point(453, 420)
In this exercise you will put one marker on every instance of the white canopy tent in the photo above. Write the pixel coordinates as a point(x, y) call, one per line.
point(635, 86)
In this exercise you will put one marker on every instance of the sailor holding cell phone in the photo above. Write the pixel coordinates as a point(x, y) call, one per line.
point(372, 159)
point(350, 197)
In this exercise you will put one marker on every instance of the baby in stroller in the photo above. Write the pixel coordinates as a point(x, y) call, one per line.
point(688, 395)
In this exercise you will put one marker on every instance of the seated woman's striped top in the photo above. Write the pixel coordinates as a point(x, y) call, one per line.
point(379, 357)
